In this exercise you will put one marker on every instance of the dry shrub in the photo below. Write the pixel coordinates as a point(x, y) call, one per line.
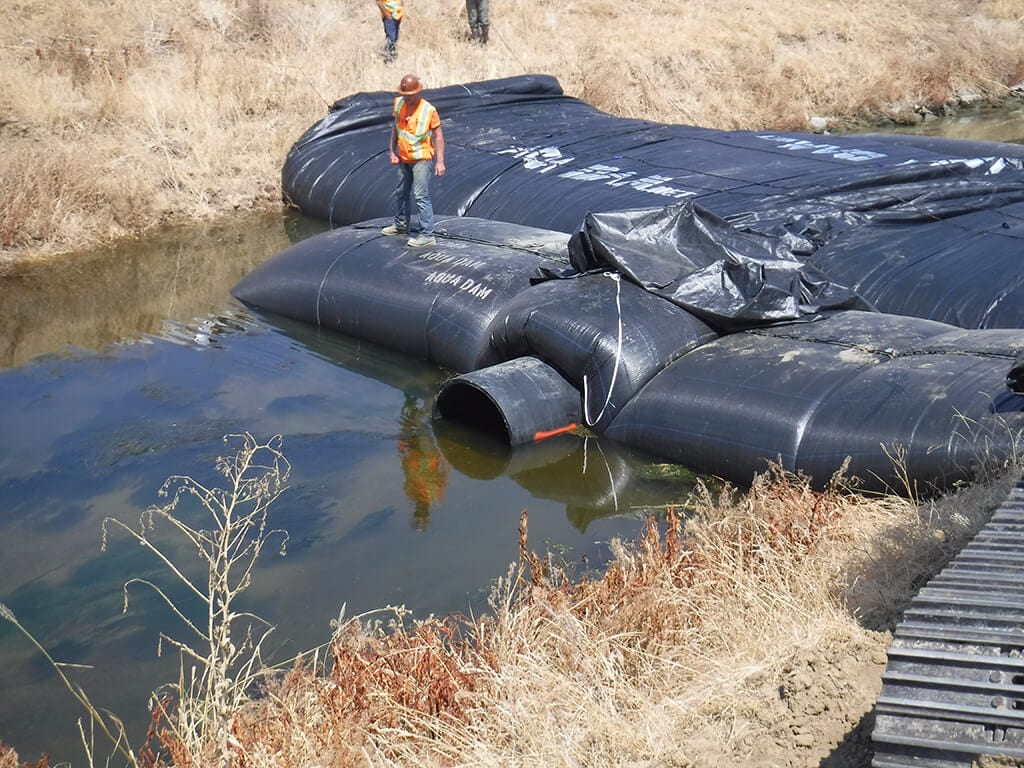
point(53, 191)
point(9, 759)
point(386, 681)
point(83, 63)
point(678, 652)
point(45, 192)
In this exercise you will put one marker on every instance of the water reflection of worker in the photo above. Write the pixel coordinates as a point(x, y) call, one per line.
point(424, 467)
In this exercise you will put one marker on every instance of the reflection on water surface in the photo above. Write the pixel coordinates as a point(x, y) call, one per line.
point(1005, 123)
point(91, 299)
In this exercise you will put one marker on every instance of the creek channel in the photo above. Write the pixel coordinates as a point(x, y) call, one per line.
point(124, 368)
point(121, 368)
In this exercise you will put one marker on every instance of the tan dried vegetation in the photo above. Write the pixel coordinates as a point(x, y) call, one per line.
point(754, 634)
point(118, 117)
point(757, 629)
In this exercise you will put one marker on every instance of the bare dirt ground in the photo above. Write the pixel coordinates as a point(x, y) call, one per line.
point(826, 707)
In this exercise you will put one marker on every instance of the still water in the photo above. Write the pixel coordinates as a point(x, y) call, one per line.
point(120, 369)
point(1004, 123)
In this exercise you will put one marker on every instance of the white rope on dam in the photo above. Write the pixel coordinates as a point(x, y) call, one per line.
point(618, 357)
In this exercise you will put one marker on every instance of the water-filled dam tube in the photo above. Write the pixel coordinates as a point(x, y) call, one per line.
point(520, 401)
point(920, 226)
point(434, 304)
point(485, 295)
point(874, 387)
point(538, 347)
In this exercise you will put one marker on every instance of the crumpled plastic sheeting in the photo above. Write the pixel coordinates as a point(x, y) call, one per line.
point(729, 278)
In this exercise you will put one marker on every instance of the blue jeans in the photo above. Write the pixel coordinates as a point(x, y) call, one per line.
point(414, 183)
point(391, 33)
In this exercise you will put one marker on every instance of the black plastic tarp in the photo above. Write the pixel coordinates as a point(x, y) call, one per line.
point(883, 216)
point(687, 255)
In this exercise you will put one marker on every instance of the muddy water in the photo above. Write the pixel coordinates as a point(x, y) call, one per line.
point(121, 369)
point(1005, 123)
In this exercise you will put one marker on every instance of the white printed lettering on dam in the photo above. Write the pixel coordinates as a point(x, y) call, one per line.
point(475, 288)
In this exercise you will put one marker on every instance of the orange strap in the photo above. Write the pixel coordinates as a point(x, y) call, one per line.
point(538, 436)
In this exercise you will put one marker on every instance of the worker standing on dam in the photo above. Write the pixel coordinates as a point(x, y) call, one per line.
point(416, 147)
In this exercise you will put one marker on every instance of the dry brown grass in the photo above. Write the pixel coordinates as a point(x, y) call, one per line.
point(8, 757)
point(754, 632)
point(120, 116)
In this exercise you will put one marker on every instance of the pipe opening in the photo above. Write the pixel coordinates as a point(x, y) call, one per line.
point(463, 403)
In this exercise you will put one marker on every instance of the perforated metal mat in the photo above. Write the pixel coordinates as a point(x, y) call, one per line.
point(953, 688)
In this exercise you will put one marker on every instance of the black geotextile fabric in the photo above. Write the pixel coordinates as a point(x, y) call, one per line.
point(719, 298)
point(436, 304)
point(884, 217)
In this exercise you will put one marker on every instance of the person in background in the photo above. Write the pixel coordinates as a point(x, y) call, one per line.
point(417, 148)
point(478, 13)
point(391, 12)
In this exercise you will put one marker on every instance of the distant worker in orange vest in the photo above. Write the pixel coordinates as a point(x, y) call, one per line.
point(478, 13)
point(417, 148)
point(391, 12)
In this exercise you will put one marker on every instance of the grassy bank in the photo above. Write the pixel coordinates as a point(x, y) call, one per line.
point(118, 117)
point(756, 635)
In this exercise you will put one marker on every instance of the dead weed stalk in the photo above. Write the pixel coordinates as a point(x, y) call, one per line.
point(219, 664)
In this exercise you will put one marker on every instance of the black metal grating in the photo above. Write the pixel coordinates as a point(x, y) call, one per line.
point(953, 688)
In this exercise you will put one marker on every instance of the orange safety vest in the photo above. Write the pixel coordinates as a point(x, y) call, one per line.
point(413, 129)
point(393, 9)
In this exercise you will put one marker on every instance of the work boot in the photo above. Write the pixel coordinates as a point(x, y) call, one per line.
point(421, 241)
point(395, 229)
point(483, 34)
